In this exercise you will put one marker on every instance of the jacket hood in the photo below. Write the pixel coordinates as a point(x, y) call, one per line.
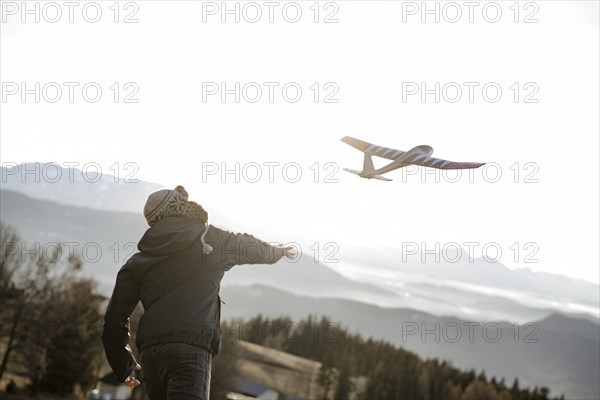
point(170, 235)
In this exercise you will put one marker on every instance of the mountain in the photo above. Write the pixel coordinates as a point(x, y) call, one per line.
point(471, 279)
point(114, 236)
point(560, 352)
point(104, 239)
point(87, 186)
point(377, 278)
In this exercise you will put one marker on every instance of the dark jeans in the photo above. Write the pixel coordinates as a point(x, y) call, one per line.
point(173, 371)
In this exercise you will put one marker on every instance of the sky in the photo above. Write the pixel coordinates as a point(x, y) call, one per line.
point(361, 69)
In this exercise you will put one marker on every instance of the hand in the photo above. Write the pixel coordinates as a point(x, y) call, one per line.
point(131, 382)
point(290, 252)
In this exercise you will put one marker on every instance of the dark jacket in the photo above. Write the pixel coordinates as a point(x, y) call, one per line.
point(178, 286)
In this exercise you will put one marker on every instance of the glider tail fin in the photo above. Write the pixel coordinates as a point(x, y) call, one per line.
point(353, 171)
point(381, 178)
point(359, 173)
point(368, 164)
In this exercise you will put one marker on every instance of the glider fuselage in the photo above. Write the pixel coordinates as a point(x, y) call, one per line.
point(401, 161)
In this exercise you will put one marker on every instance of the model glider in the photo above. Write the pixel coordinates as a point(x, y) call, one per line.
point(419, 155)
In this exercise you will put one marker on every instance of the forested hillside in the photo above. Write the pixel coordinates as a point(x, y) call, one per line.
point(355, 367)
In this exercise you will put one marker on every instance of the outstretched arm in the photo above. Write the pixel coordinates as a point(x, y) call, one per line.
point(243, 248)
point(115, 336)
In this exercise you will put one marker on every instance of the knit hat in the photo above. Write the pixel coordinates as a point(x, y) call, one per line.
point(165, 202)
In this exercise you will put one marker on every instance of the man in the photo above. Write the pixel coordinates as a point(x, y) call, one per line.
point(176, 275)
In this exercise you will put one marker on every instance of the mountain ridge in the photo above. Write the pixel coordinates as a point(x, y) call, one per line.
point(116, 235)
point(558, 351)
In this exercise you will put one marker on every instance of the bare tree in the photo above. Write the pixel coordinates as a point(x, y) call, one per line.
point(55, 331)
point(10, 259)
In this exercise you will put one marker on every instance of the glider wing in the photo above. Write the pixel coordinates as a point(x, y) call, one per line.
point(432, 162)
point(372, 149)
